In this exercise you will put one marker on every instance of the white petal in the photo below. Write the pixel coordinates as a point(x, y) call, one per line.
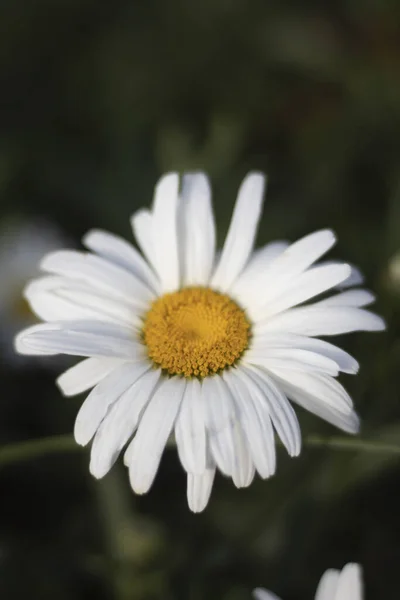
point(355, 278)
point(242, 231)
point(80, 338)
point(96, 405)
point(256, 423)
point(243, 469)
point(321, 395)
point(153, 432)
point(101, 306)
point(47, 305)
point(262, 257)
point(289, 358)
point(99, 273)
point(120, 423)
point(199, 488)
point(319, 320)
point(123, 254)
point(165, 234)
point(263, 344)
point(142, 226)
point(327, 586)
point(261, 594)
point(59, 299)
point(190, 430)
point(355, 298)
point(350, 586)
point(21, 341)
point(321, 387)
point(311, 283)
point(219, 412)
point(282, 414)
point(303, 253)
point(85, 375)
point(279, 274)
point(198, 230)
point(256, 267)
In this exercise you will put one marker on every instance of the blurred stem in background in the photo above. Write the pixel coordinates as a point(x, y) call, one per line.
point(32, 449)
point(132, 542)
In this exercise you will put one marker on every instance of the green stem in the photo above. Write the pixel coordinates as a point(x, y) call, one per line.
point(32, 449)
point(355, 444)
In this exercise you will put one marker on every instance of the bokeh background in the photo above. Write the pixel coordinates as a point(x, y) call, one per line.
point(97, 99)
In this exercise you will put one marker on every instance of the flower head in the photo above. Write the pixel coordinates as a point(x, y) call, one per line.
point(334, 585)
point(209, 347)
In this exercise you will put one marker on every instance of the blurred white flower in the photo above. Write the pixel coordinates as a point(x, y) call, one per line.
point(334, 585)
point(22, 246)
point(208, 346)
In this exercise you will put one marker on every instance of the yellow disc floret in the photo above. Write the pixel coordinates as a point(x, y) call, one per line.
point(195, 332)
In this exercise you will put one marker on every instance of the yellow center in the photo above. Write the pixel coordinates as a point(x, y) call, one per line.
point(195, 332)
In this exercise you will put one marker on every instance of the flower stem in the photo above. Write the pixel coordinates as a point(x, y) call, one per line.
point(36, 448)
point(350, 443)
point(32, 449)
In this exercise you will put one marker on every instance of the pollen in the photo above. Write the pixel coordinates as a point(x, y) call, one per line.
point(195, 332)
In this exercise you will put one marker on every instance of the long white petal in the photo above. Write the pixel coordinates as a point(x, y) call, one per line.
point(165, 233)
point(198, 230)
point(302, 254)
point(100, 273)
point(350, 585)
point(320, 320)
point(263, 257)
point(327, 586)
point(280, 273)
point(244, 469)
point(263, 344)
point(80, 338)
point(85, 375)
point(321, 387)
point(282, 414)
point(256, 423)
point(244, 286)
point(291, 358)
point(199, 488)
point(123, 254)
point(220, 416)
point(142, 227)
point(323, 396)
point(55, 298)
point(355, 278)
point(120, 423)
point(355, 298)
point(261, 594)
point(242, 231)
point(309, 284)
point(190, 430)
point(153, 432)
point(96, 405)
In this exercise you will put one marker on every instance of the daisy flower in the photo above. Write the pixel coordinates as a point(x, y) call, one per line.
point(208, 347)
point(334, 585)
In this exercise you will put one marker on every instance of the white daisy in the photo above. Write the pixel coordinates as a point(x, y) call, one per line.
point(334, 585)
point(208, 348)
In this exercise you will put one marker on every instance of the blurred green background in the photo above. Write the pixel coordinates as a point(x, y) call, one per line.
point(97, 99)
